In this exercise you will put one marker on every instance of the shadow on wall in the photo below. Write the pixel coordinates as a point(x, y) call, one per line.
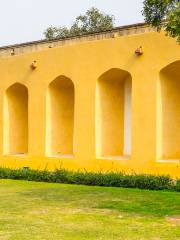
point(168, 113)
point(60, 117)
point(113, 114)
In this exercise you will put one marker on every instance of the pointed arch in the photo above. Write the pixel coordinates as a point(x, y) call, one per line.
point(113, 114)
point(16, 119)
point(168, 112)
point(60, 117)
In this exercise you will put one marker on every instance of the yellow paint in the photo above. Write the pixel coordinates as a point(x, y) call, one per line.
point(110, 113)
point(169, 107)
point(16, 120)
point(60, 117)
point(73, 110)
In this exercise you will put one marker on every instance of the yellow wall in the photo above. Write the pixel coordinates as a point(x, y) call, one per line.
point(110, 101)
point(16, 120)
point(169, 107)
point(75, 100)
point(60, 117)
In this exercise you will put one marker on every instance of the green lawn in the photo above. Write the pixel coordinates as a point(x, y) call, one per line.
point(31, 210)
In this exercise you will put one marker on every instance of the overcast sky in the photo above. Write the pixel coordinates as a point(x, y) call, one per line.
point(25, 20)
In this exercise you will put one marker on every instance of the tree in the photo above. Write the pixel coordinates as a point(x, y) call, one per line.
point(163, 14)
point(92, 21)
point(54, 32)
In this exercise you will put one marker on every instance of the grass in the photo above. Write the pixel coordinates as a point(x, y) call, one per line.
point(40, 211)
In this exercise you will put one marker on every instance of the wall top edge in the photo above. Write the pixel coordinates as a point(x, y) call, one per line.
point(21, 48)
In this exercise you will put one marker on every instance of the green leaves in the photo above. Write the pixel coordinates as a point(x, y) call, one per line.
point(54, 32)
point(108, 179)
point(92, 21)
point(163, 14)
point(173, 23)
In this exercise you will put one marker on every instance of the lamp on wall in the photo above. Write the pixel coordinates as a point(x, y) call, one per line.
point(34, 65)
point(139, 51)
point(12, 52)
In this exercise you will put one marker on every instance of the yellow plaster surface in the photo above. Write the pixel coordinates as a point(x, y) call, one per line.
point(70, 111)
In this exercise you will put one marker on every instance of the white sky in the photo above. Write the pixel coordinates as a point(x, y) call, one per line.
point(26, 20)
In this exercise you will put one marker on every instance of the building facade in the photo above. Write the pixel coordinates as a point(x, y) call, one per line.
point(91, 103)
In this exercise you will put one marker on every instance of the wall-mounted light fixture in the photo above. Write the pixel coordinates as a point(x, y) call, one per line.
point(12, 52)
point(139, 51)
point(34, 65)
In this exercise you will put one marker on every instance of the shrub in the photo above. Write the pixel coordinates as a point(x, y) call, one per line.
point(177, 186)
point(113, 179)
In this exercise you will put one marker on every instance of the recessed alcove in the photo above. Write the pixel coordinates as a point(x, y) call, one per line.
point(168, 113)
point(60, 118)
point(113, 115)
point(16, 120)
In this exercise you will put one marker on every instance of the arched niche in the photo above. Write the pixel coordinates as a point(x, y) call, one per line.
point(168, 113)
point(60, 117)
point(16, 120)
point(113, 114)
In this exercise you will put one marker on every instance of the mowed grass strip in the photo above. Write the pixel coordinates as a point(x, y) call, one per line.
point(33, 210)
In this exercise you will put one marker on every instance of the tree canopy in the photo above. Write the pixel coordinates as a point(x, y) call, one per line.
point(163, 14)
point(92, 21)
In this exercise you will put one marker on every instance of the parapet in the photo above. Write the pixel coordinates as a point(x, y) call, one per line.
point(40, 45)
